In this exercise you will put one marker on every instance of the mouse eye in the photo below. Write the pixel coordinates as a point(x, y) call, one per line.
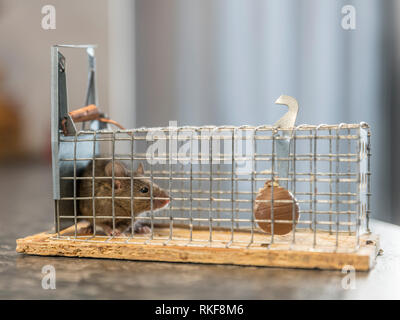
point(144, 190)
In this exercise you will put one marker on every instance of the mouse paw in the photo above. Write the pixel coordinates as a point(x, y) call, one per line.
point(116, 233)
point(86, 230)
point(109, 231)
point(142, 227)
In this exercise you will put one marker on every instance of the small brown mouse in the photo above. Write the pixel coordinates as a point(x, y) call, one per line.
point(122, 188)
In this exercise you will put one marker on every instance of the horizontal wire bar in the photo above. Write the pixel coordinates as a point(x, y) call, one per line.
point(199, 173)
point(181, 219)
point(208, 199)
point(244, 210)
point(302, 127)
point(340, 180)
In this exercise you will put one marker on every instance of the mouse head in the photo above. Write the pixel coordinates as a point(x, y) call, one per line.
point(143, 189)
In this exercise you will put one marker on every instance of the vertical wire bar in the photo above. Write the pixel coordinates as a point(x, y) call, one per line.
point(57, 220)
point(75, 209)
point(330, 184)
point(358, 222)
point(368, 151)
point(272, 186)
point(337, 187)
point(113, 181)
point(151, 195)
point(253, 169)
point(182, 172)
point(236, 186)
point(348, 183)
point(132, 186)
point(311, 182)
point(232, 188)
point(169, 183)
point(211, 178)
point(171, 220)
point(93, 183)
point(191, 187)
point(315, 190)
point(200, 181)
point(294, 139)
point(219, 189)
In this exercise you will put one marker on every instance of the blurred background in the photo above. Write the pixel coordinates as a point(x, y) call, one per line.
point(207, 62)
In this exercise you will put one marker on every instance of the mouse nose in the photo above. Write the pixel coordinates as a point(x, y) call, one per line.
point(162, 202)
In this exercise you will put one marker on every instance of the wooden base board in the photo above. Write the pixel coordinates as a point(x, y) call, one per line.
point(281, 253)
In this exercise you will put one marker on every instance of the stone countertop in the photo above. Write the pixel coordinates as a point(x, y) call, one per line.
point(27, 208)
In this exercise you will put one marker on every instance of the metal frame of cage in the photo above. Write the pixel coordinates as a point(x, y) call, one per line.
point(214, 194)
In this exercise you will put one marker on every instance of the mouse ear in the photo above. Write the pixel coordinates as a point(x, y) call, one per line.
point(140, 170)
point(119, 169)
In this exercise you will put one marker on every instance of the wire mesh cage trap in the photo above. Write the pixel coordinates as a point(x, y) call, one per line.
point(271, 195)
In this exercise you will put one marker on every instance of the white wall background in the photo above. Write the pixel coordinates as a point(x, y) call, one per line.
point(25, 58)
point(226, 61)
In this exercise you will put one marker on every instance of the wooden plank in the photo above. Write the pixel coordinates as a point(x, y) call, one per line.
point(282, 253)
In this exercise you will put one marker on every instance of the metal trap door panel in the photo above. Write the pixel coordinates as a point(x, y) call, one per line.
point(67, 150)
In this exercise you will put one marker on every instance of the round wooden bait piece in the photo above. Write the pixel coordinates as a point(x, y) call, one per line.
point(283, 210)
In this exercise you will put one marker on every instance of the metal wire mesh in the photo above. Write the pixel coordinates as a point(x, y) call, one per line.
point(212, 176)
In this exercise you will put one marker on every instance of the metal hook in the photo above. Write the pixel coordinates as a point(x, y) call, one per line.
point(289, 118)
point(283, 145)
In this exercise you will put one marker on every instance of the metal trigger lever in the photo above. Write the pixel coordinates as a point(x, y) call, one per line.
point(289, 118)
point(283, 144)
